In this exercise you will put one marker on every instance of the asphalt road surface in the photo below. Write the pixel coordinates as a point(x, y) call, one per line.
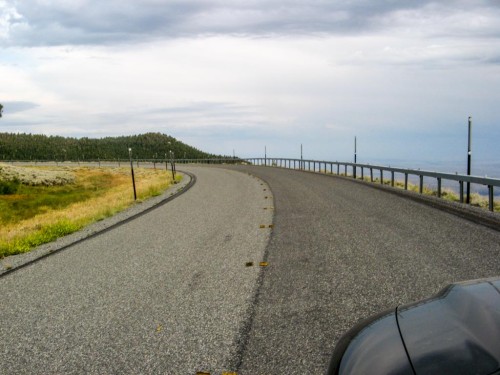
point(170, 293)
point(341, 251)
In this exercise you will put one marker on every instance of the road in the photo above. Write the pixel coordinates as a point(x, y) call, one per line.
point(341, 251)
point(170, 292)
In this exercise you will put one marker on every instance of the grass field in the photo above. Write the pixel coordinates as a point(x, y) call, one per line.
point(49, 202)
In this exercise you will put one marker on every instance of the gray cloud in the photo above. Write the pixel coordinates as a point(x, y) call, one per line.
point(13, 107)
point(113, 21)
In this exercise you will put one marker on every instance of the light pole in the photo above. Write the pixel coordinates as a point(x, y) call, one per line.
point(355, 156)
point(301, 158)
point(469, 158)
point(132, 170)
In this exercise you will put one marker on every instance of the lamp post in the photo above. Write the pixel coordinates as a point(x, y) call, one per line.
point(469, 158)
point(132, 170)
point(355, 157)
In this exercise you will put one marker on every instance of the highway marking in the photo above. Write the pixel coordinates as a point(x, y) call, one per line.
point(263, 264)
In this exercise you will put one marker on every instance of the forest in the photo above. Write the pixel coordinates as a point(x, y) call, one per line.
point(56, 148)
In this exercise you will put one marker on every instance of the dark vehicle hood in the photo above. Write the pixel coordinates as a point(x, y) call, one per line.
point(456, 331)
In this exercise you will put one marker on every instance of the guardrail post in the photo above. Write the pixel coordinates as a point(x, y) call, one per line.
point(362, 173)
point(421, 187)
point(331, 168)
point(490, 198)
point(392, 178)
point(439, 186)
point(371, 174)
point(461, 183)
point(338, 169)
point(345, 170)
point(406, 181)
point(382, 176)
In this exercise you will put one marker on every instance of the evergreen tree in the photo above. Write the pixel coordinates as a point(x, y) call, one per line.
point(150, 146)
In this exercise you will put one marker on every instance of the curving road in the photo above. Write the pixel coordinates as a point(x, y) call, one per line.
point(167, 293)
point(341, 251)
point(170, 292)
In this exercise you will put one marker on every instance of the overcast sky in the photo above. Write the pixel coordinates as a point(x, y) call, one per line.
point(402, 76)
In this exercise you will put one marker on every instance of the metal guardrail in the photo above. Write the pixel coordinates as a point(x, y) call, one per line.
point(328, 167)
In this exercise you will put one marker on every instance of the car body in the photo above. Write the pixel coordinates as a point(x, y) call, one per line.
point(457, 331)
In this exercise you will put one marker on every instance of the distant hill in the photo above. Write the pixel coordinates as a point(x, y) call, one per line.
point(144, 146)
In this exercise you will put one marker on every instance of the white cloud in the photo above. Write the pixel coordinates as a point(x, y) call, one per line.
point(248, 71)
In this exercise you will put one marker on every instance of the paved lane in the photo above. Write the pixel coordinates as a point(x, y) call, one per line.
point(341, 251)
point(168, 293)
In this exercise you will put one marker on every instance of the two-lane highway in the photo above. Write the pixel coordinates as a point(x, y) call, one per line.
point(170, 292)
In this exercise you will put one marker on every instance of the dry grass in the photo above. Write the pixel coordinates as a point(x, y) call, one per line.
point(45, 176)
point(112, 192)
point(476, 199)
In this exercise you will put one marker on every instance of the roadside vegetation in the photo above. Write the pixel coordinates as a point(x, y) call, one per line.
point(476, 199)
point(38, 205)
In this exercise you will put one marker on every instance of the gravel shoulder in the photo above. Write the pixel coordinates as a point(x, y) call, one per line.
point(11, 263)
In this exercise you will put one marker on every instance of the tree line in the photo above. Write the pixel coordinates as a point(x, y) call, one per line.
point(144, 146)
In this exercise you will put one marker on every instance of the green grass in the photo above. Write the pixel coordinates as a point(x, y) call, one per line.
point(29, 201)
point(35, 215)
point(41, 236)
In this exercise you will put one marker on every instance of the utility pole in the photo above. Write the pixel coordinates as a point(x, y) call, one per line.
point(469, 158)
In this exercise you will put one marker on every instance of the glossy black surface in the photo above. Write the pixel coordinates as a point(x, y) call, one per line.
point(455, 332)
point(372, 347)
